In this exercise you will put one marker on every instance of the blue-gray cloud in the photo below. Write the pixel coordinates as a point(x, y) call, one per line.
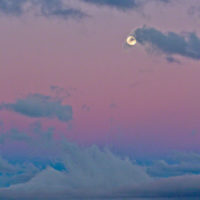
point(90, 173)
point(47, 8)
point(123, 5)
point(170, 43)
point(56, 8)
point(12, 7)
point(63, 9)
point(37, 106)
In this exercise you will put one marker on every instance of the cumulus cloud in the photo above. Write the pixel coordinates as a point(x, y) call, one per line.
point(38, 105)
point(170, 44)
point(51, 184)
point(15, 173)
point(47, 8)
point(91, 173)
point(86, 172)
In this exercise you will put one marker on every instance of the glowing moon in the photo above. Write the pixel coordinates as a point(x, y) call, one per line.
point(131, 40)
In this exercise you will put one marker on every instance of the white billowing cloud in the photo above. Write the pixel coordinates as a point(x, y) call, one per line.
point(51, 184)
point(70, 171)
point(90, 172)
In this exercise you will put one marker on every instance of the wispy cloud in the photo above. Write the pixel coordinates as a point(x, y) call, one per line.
point(46, 8)
point(12, 7)
point(56, 8)
point(40, 106)
point(64, 8)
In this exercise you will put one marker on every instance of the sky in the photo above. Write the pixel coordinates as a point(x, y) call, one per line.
point(81, 109)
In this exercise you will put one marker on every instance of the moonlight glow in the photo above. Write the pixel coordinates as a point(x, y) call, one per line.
point(131, 40)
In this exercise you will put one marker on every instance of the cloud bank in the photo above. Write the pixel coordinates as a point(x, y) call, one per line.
point(37, 106)
point(170, 44)
point(75, 172)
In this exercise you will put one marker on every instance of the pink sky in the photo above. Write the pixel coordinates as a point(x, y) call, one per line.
point(157, 103)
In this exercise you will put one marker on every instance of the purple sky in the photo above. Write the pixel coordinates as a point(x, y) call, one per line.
point(156, 102)
point(64, 65)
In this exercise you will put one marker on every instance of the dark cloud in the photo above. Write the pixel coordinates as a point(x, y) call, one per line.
point(12, 7)
point(63, 9)
point(170, 44)
point(38, 106)
point(47, 8)
point(124, 5)
point(171, 59)
point(176, 164)
point(164, 169)
point(176, 187)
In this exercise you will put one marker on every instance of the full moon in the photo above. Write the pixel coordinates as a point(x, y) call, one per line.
point(131, 40)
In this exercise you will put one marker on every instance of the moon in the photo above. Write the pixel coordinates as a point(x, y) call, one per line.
point(131, 40)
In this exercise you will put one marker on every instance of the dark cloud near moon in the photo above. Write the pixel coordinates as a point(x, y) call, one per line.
point(170, 43)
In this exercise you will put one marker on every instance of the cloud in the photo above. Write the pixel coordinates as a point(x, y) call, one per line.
point(122, 5)
point(40, 106)
point(50, 184)
point(177, 164)
point(15, 173)
point(175, 187)
point(56, 8)
point(46, 8)
point(64, 8)
point(171, 59)
point(86, 172)
point(164, 169)
point(91, 173)
point(12, 7)
point(14, 135)
point(170, 44)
